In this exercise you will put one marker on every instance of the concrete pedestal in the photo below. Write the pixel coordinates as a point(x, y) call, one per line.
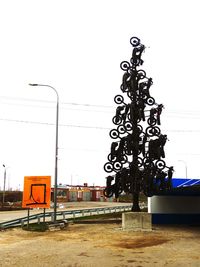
point(136, 221)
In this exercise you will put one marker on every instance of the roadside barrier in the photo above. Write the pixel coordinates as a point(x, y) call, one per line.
point(63, 215)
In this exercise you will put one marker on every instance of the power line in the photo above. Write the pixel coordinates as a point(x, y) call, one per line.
point(84, 104)
point(51, 102)
point(50, 124)
point(82, 149)
point(51, 107)
point(181, 111)
point(63, 106)
point(174, 113)
point(180, 116)
point(183, 131)
point(88, 126)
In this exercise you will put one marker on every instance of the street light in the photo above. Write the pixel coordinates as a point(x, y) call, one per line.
point(4, 184)
point(56, 149)
point(185, 164)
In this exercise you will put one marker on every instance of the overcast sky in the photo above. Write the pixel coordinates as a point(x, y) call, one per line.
point(77, 47)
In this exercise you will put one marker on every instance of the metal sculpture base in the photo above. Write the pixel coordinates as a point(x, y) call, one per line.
point(136, 221)
point(136, 207)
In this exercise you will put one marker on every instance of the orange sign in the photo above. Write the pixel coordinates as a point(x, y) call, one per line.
point(37, 192)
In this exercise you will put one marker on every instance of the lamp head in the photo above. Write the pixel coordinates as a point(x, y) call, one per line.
point(33, 84)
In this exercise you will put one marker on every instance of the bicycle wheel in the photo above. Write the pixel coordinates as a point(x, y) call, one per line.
point(141, 74)
point(135, 61)
point(148, 162)
point(134, 41)
point(121, 129)
point(128, 126)
point(123, 89)
point(151, 131)
point(125, 65)
point(157, 130)
point(108, 167)
point(152, 121)
point(140, 162)
point(117, 166)
point(124, 159)
point(147, 192)
point(139, 127)
point(111, 158)
point(116, 120)
point(128, 152)
point(108, 192)
point(160, 164)
point(118, 99)
point(130, 95)
point(150, 101)
point(114, 134)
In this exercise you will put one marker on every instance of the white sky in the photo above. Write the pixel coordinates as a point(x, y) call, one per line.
point(77, 47)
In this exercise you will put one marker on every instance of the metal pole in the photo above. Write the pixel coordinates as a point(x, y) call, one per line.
point(28, 217)
point(186, 175)
point(56, 148)
point(56, 161)
point(4, 184)
point(44, 215)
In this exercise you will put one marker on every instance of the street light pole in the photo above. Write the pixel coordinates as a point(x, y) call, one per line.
point(56, 148)
point(4, 184)
point(185, 164)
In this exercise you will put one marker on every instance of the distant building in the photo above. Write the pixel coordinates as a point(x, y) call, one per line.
point(70, 193)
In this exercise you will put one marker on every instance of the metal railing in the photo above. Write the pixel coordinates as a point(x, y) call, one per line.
point(62, 215)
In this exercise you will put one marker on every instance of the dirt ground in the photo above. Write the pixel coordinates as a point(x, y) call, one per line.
point(101, 244)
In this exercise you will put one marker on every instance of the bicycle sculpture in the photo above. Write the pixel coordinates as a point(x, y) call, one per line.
point(135, 162)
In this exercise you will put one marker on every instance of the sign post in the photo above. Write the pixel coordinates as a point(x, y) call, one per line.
point(37, 192)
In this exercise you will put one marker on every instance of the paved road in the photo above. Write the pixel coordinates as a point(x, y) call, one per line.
point(11, 215)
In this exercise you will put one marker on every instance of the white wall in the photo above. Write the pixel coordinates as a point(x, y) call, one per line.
point(174, 204)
